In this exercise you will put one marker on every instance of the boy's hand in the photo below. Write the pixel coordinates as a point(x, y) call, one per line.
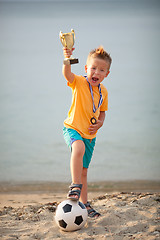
point(94, 127)
point(67, 52)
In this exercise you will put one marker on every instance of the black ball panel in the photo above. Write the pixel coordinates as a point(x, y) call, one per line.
point(67, 208)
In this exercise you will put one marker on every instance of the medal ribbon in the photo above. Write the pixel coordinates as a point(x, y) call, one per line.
point(100, 93)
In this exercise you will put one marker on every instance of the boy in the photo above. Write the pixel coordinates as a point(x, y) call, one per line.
point(85, 117)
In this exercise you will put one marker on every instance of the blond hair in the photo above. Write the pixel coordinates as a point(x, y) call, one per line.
point(100, 53)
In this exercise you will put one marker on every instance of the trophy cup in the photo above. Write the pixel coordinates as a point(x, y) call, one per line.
point(67, 40)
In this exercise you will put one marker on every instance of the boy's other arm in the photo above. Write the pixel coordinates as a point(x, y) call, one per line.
point(102, 117)
point(66, 70)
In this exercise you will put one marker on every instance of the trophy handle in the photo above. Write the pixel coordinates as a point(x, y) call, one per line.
point(73, 34)
point(61, 36)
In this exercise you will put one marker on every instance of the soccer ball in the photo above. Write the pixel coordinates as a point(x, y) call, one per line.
point(71, 215)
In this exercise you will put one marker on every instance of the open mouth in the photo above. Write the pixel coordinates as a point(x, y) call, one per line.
point(95, 79)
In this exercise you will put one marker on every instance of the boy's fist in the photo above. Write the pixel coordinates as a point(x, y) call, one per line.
point(67, 52)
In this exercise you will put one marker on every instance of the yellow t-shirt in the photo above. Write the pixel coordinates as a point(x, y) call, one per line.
point(81, 110)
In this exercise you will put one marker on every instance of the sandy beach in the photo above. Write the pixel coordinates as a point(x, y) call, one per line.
point(27, 211)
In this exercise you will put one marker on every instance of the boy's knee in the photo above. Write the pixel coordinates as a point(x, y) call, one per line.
point(78, 147)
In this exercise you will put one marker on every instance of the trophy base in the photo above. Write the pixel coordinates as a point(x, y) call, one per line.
point(70, 61)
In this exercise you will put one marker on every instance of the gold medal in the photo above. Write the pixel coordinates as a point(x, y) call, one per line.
point(93, 120)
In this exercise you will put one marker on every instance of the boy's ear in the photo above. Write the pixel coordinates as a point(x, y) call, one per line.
point(86, 68)
point(107, 73)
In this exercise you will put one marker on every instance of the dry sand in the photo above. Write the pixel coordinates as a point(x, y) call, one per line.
point(124, 215)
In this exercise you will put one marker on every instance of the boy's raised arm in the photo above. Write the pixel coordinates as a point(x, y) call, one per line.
point(66, 70)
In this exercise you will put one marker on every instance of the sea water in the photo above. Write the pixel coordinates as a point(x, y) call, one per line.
point(35, 99)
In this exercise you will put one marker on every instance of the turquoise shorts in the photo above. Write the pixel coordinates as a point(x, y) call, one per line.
point(71, 135)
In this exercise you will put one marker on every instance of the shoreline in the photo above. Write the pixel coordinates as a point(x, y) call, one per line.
point(101, 186)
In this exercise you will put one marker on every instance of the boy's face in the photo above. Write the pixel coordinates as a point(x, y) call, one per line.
point(97, 69)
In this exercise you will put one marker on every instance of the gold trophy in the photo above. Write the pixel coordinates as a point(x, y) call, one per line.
point(67, 40)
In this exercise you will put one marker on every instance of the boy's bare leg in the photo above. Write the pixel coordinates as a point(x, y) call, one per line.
point(76, 164)
point(84, 192)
